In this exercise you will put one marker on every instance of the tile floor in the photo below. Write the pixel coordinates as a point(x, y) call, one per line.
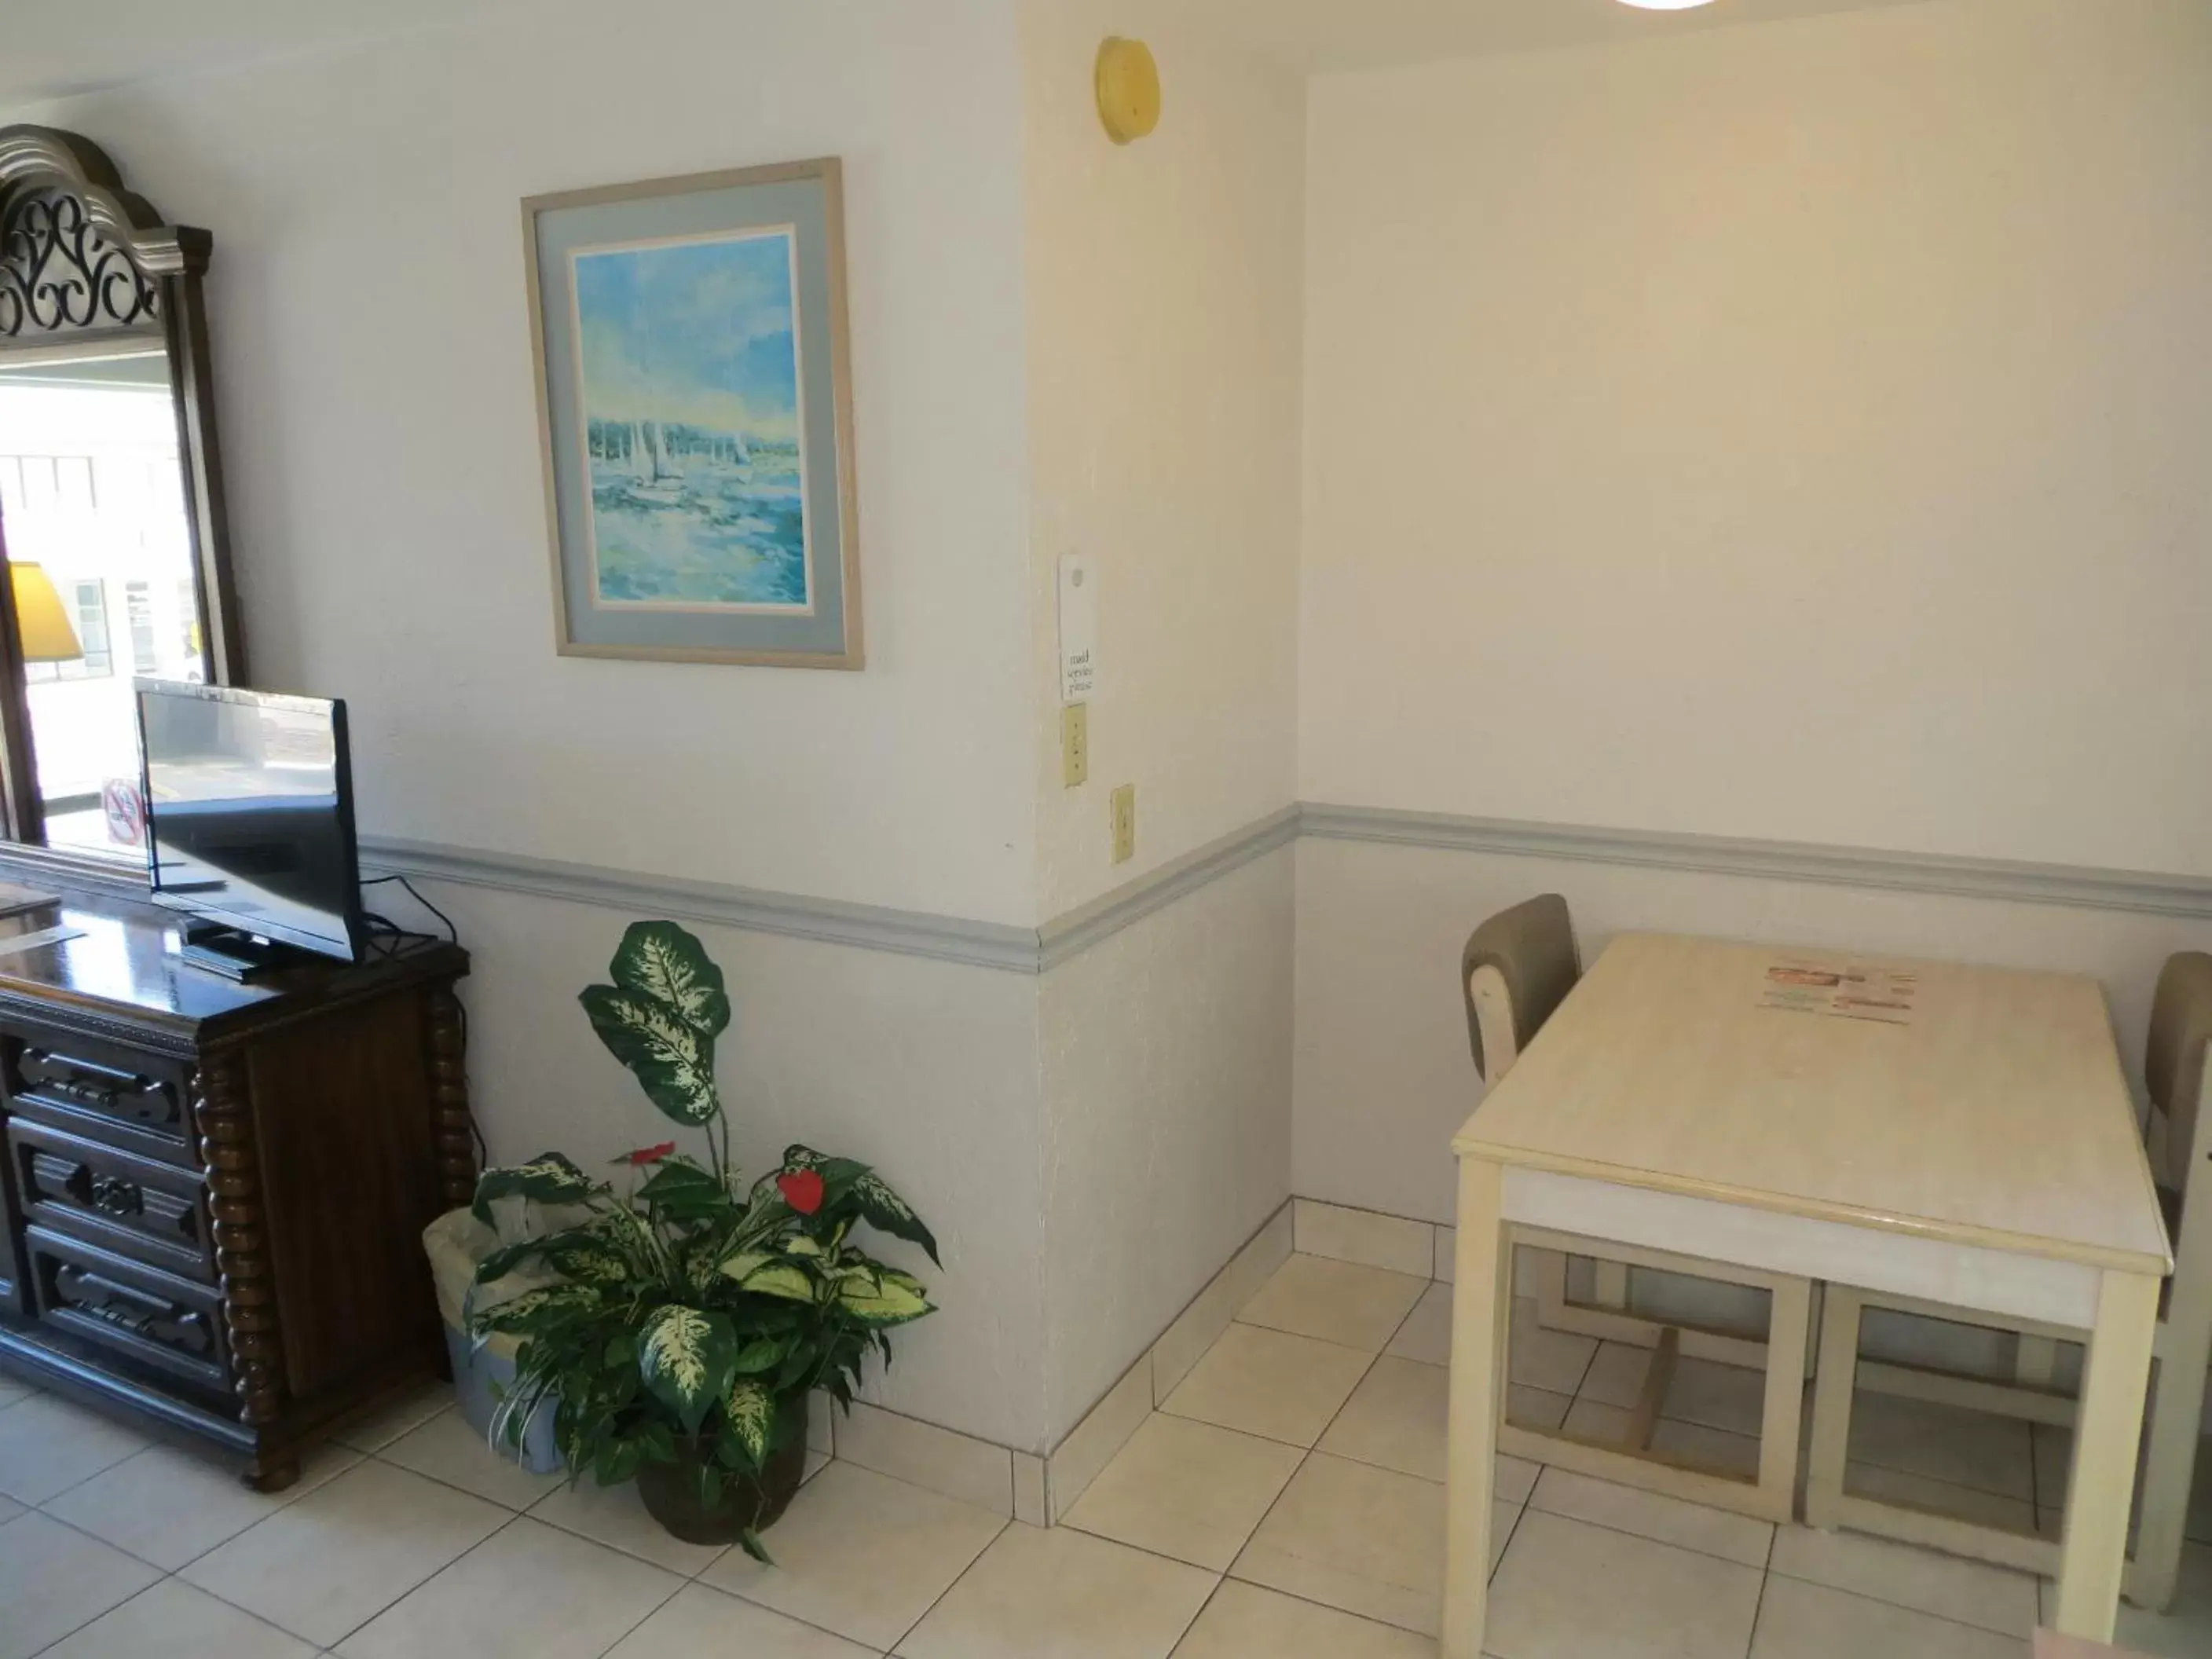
point(1285, 1503)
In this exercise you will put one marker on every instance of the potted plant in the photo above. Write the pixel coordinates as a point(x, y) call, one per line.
point(694, 1313)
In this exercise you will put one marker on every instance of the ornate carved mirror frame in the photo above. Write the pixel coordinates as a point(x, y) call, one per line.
point(85, 261)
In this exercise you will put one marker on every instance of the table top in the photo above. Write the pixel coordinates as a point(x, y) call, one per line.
point(1974, 1105)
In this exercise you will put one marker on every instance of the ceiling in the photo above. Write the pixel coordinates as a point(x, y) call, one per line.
point(1333, 34)
point(52, 48)
point(57, 47)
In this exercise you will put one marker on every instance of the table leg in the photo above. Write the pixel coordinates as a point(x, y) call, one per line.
point(2109, 1425)
point(1482, 1301)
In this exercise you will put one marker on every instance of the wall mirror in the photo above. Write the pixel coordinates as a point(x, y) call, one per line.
point(110, 505)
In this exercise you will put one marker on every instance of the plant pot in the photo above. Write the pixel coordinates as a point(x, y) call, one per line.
point(670, 1490)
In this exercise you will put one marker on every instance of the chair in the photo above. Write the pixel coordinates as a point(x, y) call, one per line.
point(1516, 970)
point(2178, 1138)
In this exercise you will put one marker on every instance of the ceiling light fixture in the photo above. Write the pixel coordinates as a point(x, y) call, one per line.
point(1665, 5)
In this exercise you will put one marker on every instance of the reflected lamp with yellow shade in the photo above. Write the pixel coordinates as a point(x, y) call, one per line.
point(41, 621)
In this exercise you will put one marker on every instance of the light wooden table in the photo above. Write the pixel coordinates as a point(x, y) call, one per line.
point(1983, 1154)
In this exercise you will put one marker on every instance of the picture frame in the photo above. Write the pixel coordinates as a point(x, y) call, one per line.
point(692, 351)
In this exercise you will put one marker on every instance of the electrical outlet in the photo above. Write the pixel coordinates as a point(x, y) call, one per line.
point(1125, 823)
point(1074, 744)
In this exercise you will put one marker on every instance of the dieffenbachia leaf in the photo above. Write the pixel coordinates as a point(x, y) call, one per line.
point(751, 1411)
point(681, 1191)
point(742, 1264)
point(534, 1310)
point(778, 1278)
point(686, 1358)
point(883, 1297)
point(659, 960)
point(548, 1178)
point(884, 1209)
point(588, 1261)
point(763, 1353)
point(673, 1061)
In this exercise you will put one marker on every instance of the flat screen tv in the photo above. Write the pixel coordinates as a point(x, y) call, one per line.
point(249, 821)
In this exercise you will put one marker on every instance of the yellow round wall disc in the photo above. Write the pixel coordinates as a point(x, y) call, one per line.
point(1129, 90)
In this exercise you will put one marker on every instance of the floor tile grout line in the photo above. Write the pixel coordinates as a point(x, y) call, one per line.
point(87, 1532)
point(1184, 1636)
point(1759, 1608)
point(1530, 1503)
point(443, 1568)
point(102, 1613)
point(1899, 1607)
point(937, 1600)
point(2034, 1582)
point(682, 1585)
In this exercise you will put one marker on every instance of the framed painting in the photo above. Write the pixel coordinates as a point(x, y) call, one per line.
point(695, 410)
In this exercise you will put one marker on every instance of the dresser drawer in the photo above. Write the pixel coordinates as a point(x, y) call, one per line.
point(154, 1317)
point(119, 1097)
point(152, 1211)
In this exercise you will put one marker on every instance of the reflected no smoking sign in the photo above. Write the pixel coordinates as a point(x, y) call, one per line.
point(124, 809)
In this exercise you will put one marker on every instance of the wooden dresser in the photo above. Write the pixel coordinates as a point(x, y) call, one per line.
point(215, 1193)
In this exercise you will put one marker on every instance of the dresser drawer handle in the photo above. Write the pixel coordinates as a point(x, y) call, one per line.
point(154, 1317)
point(116, 1196)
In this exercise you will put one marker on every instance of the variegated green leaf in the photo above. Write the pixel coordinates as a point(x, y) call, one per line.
point(534, 1309)
point(763, 1353)
point(779, 1278)
point(796, 1157)
point(801, 1244)
point(885, 1297)
point(548, 1178)
point(673, 1061)
point(589, 1262)
point(743, 1263)
point(686, 1358)
point(658, 959)
point(887, 1211)
point(751, 1411)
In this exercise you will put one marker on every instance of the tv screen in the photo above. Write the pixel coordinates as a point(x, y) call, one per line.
point(249, 812)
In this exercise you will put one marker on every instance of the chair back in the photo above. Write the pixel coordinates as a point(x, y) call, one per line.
point(2173, 1063)
point(1526, 958)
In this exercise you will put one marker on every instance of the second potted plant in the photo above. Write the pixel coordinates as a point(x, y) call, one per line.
point(694, 1313)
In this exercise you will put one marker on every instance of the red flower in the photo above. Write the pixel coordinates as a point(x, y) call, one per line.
point(645, 1155)
point(801, 1189)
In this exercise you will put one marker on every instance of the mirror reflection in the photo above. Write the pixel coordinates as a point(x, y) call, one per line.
point(92, 497)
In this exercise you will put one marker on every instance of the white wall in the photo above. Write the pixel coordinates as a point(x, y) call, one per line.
point(375, 386)
point(1165, 284)
point(1383, 1076)
point(1166, 310)
point(1166, 1132)
point(926, 1069)
point(1793, 431)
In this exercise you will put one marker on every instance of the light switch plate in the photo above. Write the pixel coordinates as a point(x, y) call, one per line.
point(1074, 744)
point(1125, 823)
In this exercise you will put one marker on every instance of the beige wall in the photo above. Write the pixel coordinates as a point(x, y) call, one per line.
point(374, 383)
point(1165, 295)
point(1165, 284)
point(1794, 431)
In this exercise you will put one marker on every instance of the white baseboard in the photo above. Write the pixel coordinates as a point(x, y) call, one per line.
point(1106, 1428)
point(1040, 1491)
point(922, 1455)
point(1375, 1240)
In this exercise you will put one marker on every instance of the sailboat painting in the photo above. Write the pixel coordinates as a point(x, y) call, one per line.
point(693, 353)
point(693, 408)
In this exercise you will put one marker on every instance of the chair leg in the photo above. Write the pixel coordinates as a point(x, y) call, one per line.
point(2035, 1364)
point(1611, 1290)
point(2170, 1465)
point(1831, 1405)
point(1551, 1289)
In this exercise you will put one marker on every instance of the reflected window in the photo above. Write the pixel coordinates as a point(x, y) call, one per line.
point(91, 491)
point(88, 611)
